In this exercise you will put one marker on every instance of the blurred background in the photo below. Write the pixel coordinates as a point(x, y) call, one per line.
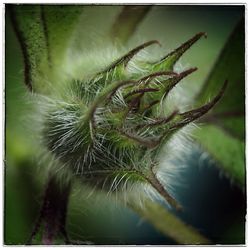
point(214, 204)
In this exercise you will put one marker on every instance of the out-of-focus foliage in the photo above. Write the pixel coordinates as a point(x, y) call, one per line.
point(44, 33)
point(225, 135)
point(220, 145)
point(127, 22)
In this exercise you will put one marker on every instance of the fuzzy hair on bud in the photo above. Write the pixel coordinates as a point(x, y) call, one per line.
point(110, 128)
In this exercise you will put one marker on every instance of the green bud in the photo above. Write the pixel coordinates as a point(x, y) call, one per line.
point(109, 131)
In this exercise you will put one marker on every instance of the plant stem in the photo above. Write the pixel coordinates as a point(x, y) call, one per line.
point(169, 224)
point(152, 179)
point(53, 212)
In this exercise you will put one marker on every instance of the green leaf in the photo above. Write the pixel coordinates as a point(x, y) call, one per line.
point(227, 150)
point(44, 33)
point(27, 24)
point(59, 22)
point(229, 66)
point(127, 21)
point(169, 224)
point(224, 135)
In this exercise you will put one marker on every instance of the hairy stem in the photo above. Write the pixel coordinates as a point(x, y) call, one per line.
point(152, 179)
point(53, 212)
point(169, 224)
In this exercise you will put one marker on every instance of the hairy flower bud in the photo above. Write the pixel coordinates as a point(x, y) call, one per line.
point(110, 128)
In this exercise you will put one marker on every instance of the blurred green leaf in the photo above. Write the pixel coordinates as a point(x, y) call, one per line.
point(227, 150)
point(44, 33)
point(26, 20)
point(224, 137)
point(59, 22)
point(127, 21)
point(22, 193)
point(229, 66)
